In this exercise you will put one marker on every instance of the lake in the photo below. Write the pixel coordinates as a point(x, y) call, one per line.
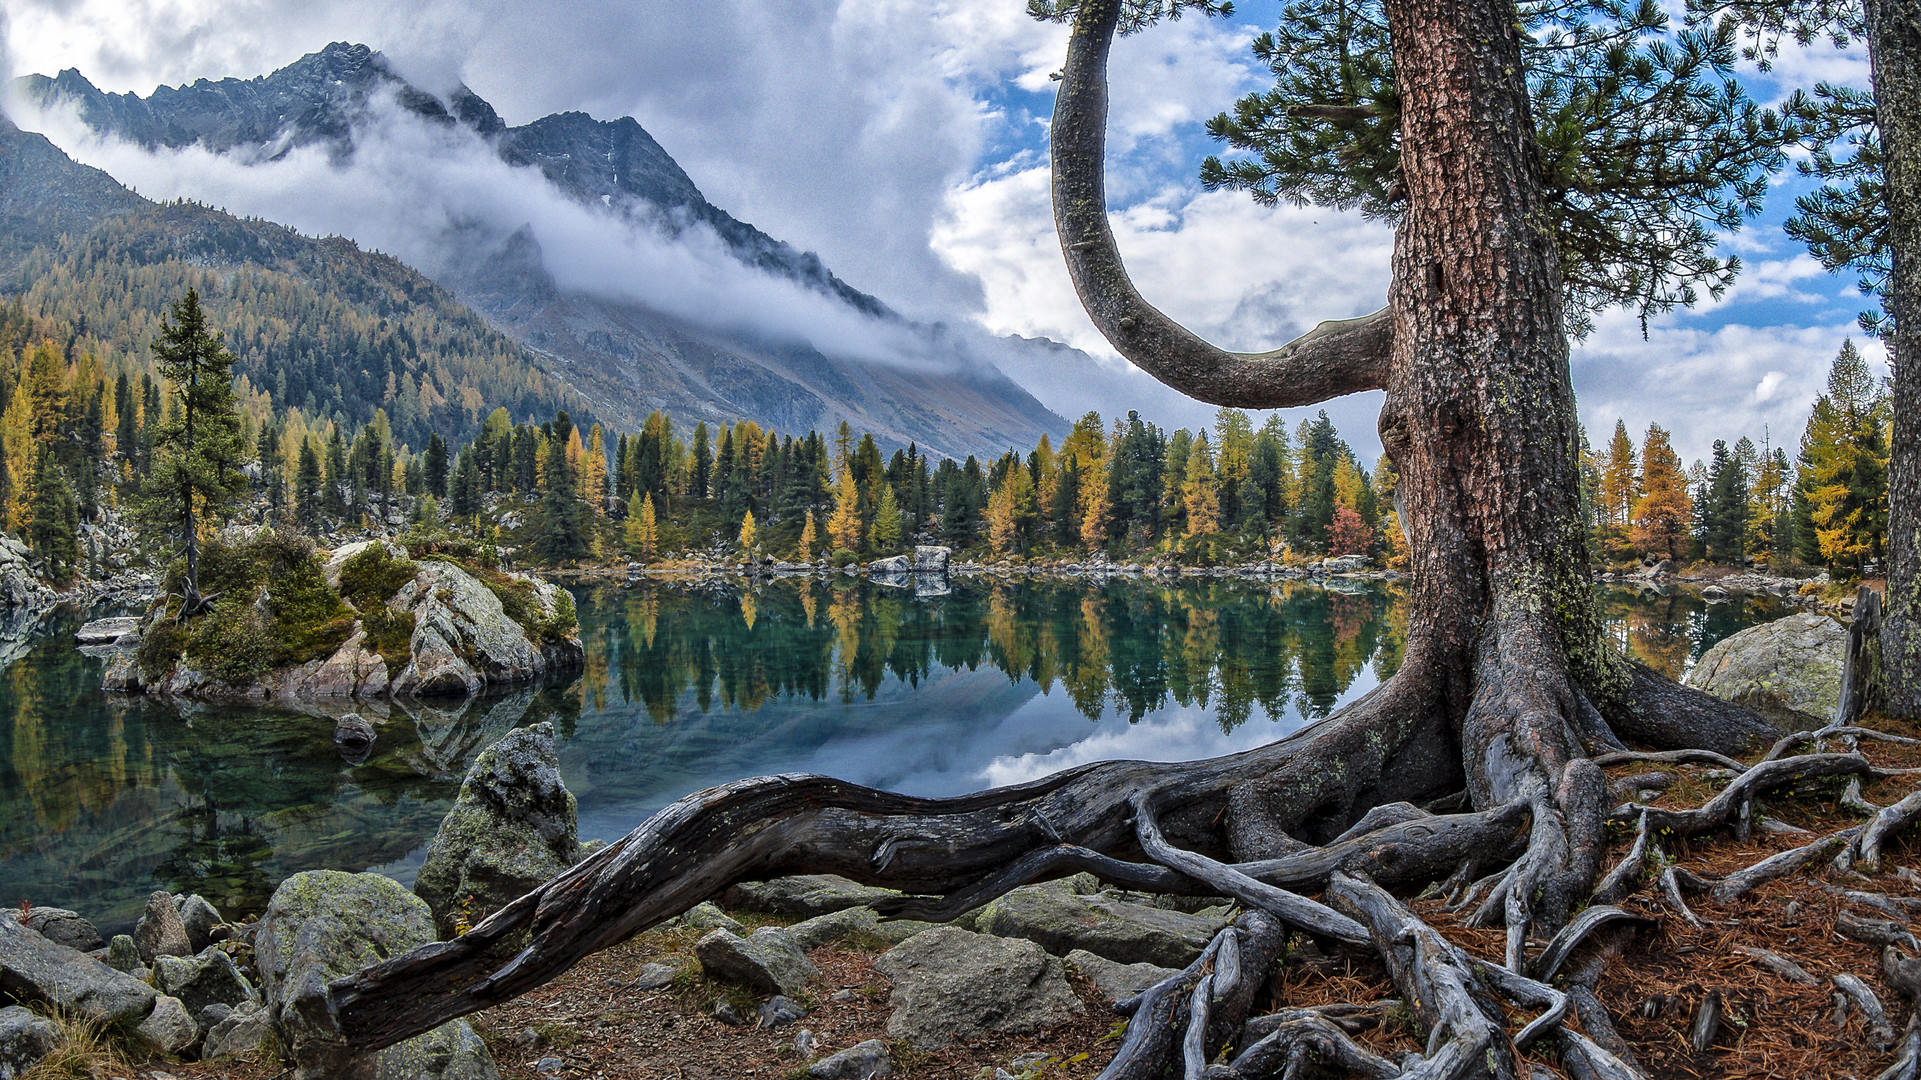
point(104, 798)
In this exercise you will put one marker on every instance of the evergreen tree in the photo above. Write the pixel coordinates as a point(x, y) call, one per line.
point(1620, 486)
point(1725, 521)
point(309, 489)
point(55, 529)
point(703, 462)
point(564, 535)
point(886, 532)
point(464, 488)
point(1842, 488)
point(197, 445)
point(436, 466)
point(843, 529)
point(747, 533)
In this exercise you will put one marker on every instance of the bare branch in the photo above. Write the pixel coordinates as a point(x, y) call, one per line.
point(1333, 359)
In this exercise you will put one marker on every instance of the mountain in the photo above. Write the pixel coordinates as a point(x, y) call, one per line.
point(624, 356)
point(318, 323)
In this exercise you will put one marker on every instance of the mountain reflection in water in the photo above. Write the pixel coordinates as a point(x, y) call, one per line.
point(105, 798)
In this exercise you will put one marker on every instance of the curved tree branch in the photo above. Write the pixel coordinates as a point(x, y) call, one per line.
point(1333, 359)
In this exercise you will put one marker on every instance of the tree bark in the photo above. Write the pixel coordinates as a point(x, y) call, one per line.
point(1894, 51)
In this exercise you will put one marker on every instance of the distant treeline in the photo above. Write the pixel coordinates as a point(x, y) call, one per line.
point(76, 434)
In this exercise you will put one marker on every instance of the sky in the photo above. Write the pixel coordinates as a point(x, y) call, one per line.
point(905, 141)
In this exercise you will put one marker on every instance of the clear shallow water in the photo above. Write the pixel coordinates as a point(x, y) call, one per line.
point(104, 798)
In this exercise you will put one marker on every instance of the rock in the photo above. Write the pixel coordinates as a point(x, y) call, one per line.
point(706, 916)
point(168, 1029)
point(1661, 568)
point(1061, 921)
point(24, 1039)
point(804, 895)
point(1117, 982)
point(725, 1012)
point(1788, 670)
point(106, 631)
point(245, 1031)
point(780, 1010)
point(510, 830)
point(64, 927)
point(951, 985)
point(839, 925)
point(199, 981)
point(1714, 594)
point(122, 953)
point(1345, 564)
point(932, 559)
point(804, 1043)
point(655, 976)
point(452, 1051)
point(862, 1061)
point(323, 924)
point(160, 931)
point(353, 731)
point(463, 640)
point(892, 566)
point(199, 917)
point(764, 961)
point(33, 968)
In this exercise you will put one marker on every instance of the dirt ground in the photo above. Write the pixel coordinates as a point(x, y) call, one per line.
point(596, 1025)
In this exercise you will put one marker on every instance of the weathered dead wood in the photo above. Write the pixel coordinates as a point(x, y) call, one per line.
point(1626, 874)
point(1761, 779)
point(1672, 881)
point(1907, 1063)
point(1321, 1036)
point(1464, 1024)
point(1889, 821)
point(1877, 932)
point(1707, 1023)
point(1577, 931)
point(1194, 1043)
point(1779, 964)
point(1291, 908)
point(1349, 1016)
point(1852, 798)
point(1733, 886)
point(1874, 1018)
point(1582, 979)
point(1669, 757)
point(1588, 1061)
point(1858, 668)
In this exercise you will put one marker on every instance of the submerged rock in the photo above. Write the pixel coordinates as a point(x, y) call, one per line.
point(512, 827)
point(1788, 670)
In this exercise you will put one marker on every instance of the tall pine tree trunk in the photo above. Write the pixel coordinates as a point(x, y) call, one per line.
point(1894, 46)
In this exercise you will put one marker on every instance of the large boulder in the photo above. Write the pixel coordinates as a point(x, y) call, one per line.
point(951, 985)
point(199, 916)
point(511, 828)
point(168, 1029)
point(64, 927)
point(24, 1040)
point(1788, 670)
point(323, 924)
point(464, 641)
point(37, 970)
point(1117, 982)
point(160, 931)
point(804, 895)
point(932, 559)
point(244, 1031)
point(1060, 920)
point(766, 961)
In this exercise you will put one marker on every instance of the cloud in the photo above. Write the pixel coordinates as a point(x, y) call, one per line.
point(1702, 385)
point(436, 196)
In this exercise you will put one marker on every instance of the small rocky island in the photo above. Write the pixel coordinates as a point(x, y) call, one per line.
point(425, 617)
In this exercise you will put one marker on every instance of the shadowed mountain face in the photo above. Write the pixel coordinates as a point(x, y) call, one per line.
point(625, 358)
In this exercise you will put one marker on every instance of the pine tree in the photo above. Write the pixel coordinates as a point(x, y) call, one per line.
point(197, 446)
point(843, 528)
point(436, 467)
point(54, 532)
point(747, 532)
point(309, 489)
point(1620, 486)
point(641, 530)
point(807, 538)
point(1724, 523)
point(565, 534)
point(1201, 489)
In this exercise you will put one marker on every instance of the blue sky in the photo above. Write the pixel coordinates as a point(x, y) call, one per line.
point(906, 142)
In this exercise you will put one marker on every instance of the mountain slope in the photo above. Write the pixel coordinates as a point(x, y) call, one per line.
point(318, 323)
point(625, 357)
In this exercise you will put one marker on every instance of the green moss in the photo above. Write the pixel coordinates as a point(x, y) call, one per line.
point(389, 633)
point(518, 600)
point(373, 576)
point(273, 609)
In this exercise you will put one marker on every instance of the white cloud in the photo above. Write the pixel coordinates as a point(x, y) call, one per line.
point(1704, 385)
